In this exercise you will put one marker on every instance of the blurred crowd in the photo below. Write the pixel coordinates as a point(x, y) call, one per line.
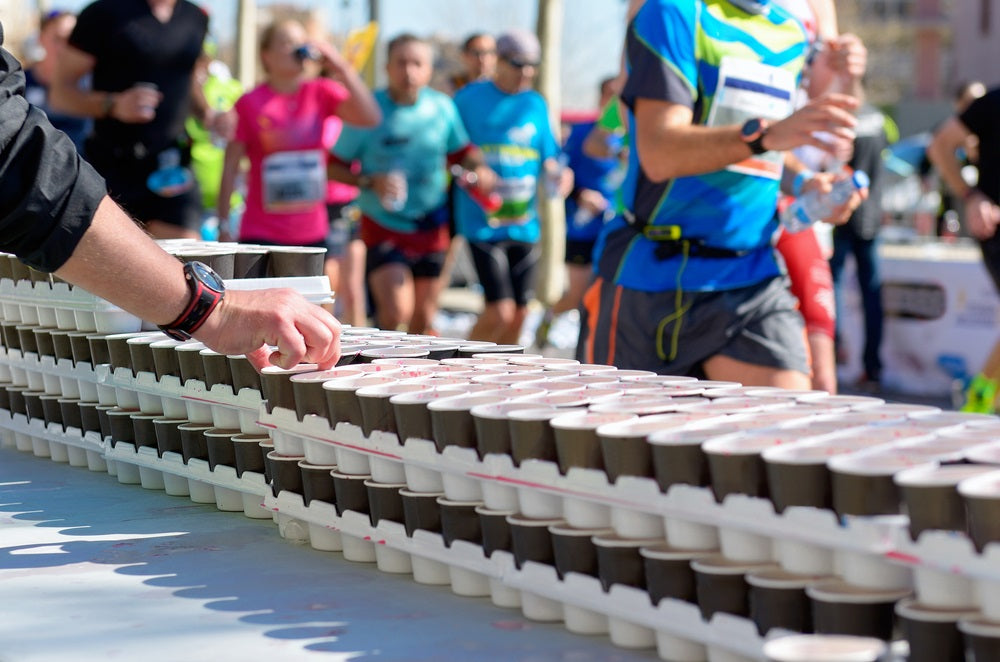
point(691, 195)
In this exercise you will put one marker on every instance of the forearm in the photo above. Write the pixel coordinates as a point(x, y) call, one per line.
point(339, 171)
point(942, 155)
point(690, 150)
point(597, 144)
point(65, 97)
point(119, 262)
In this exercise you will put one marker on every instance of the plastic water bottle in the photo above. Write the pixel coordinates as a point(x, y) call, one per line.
point(815, 206)
point(553, 178)
point(396, 201)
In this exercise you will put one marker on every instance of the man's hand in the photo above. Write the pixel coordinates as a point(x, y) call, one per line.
point(823, 183)
point(846, 56)
point(386, 187)
point(249, 321)
point(136, 105)
point(982, 215)
point(486, 178)
point(829, 114)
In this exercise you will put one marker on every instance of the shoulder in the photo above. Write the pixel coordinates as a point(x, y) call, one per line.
point(473, 91)
point(438, 100)
point(193, 12)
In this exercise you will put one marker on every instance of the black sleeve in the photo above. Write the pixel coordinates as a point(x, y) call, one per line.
point(89, 34)
point(981, 116)
point(48, 194)
point(658, 58)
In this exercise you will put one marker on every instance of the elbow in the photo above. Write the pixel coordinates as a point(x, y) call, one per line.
point(372, 118)
point(658, 173)
point(937, 151)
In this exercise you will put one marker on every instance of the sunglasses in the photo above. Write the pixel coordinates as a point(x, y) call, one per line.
point(481, 52)
point(518, 64)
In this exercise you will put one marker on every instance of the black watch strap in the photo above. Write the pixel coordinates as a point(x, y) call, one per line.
point(207, 290)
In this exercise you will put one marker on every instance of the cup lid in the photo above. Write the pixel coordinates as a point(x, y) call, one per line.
point(718, 564)
point(277, 370)
point(643, 426)
point(325, 375)
point(543, 413)
point(983, 486)
point(837, 590)
point(913, 610)
point(939, 476)
point(465, 402)
point(589, 420)
point(873, 463)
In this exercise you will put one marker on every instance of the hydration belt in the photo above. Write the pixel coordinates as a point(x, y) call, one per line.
point(670, 243)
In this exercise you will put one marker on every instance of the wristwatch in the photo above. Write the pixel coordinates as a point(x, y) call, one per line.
point(753, 132)
point(207, 290)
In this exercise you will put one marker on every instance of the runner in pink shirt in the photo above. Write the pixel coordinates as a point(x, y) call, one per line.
point(286, 126)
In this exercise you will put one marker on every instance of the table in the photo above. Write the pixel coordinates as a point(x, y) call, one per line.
point(94, 570)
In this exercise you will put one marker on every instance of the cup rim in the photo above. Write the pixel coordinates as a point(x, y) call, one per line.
point(977, 487)
point(718, 564)
point(410, 493)
point(571, 531)
point(913, 610)
point(839, 591)
point(339, 474)
point(306, 464)
point(588, 420)
point(779, 578)
point(668, 553)
point(275, 455)
point(445, 501)
point(939, 475)
point(980, 627)
point(636, 428)
point(294, 370)
point(374, 483)
point(520, 520)
point(464, 401)
point(614, 541)
point(483, 510)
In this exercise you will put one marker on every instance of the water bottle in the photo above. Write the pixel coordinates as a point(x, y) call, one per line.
point(553, 178)
point(814, 205)
point(396, 201)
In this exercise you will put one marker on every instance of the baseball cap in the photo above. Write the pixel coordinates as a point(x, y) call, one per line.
point(519, 45)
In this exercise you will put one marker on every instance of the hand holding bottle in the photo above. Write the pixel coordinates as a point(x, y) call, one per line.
point(477, 187)
point(829, 197)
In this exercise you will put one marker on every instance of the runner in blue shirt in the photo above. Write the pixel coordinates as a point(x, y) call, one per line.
point(403, 182)
point(510, 123)
point(687, 279)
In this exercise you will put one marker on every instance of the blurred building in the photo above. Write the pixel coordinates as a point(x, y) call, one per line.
point(976, 28)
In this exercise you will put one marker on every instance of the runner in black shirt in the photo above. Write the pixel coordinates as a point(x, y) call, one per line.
point(141, 54)
point(982, 211)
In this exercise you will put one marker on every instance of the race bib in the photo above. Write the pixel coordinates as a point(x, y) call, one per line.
point(518, 195)
point(749, 89)
point(293, 181)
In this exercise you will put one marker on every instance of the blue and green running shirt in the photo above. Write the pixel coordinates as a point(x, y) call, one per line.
point(415, 139)
point(515, 135)
point(678, 51)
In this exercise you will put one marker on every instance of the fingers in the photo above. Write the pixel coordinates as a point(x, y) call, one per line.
point(320, 334)
point(259, 358)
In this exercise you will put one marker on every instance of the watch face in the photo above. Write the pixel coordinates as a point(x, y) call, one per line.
point(205, 274)
point(751, 128)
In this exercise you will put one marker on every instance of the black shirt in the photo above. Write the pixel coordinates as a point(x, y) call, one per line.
point(48, 194)
point(132, 46)
point(981, 119)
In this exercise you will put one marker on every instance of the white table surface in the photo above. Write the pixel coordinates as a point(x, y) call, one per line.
point(94, 570)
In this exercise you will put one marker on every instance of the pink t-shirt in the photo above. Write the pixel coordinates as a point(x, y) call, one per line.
point(288, 138)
